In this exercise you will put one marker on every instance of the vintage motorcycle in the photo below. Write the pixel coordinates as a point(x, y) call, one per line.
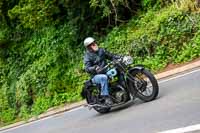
point(126, 82)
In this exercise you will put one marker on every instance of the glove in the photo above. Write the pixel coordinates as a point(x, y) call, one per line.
point(98, 69)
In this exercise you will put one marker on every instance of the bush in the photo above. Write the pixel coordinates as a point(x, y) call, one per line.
point(42, 68)
point(157, 41)
point(41, 105)
point(7, 115)
point(40, 72)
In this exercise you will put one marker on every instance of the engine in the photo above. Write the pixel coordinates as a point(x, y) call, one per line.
point(119, 94)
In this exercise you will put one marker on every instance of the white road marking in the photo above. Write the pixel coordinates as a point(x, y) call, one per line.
point(162, 81)
point(184, 129)
point(178, 76)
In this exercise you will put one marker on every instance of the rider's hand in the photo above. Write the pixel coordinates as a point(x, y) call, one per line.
point(97, 68)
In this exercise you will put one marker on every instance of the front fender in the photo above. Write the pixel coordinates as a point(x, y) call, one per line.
point(136, 68)
point(131, 79)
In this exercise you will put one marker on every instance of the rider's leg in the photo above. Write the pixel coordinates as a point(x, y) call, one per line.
point(102, 79)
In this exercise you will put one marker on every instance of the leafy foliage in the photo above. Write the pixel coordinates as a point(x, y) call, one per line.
point(41, 50)
point(156, 38)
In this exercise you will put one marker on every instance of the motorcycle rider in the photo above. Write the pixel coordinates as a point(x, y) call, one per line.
point(95, 60)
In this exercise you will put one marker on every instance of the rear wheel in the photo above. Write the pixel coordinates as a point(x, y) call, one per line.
point(145, 85)
point(92, 98)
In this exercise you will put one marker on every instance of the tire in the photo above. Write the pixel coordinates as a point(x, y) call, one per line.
point(89, 99)
point(139, 92)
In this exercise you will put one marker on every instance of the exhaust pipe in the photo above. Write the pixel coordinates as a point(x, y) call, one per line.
point(90, 106)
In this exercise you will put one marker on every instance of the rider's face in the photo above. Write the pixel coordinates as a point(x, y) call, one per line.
point(94, 47)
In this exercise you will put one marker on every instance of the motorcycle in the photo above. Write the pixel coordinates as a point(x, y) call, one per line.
point(126, 82)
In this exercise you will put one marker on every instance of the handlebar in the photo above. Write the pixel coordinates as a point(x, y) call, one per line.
point(121, 63)
point(109, 64)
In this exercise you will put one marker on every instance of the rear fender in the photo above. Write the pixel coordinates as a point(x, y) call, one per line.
point(85, 89)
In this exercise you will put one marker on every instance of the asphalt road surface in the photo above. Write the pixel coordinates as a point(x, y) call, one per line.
point(177, 106)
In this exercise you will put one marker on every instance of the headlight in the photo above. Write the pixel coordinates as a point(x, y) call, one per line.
point(127, 60)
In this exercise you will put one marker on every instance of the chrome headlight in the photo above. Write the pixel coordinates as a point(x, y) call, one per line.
point(127, 60)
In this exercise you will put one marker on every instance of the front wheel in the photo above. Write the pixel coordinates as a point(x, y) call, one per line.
point(144, 85)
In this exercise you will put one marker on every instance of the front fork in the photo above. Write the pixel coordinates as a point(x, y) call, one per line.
point(139, 86)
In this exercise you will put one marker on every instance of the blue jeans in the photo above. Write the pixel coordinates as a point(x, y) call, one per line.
point(102, 79)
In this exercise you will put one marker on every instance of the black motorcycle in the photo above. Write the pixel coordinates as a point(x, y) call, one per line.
point(126, 82)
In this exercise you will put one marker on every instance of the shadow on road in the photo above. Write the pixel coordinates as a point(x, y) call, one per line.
point(136, 102)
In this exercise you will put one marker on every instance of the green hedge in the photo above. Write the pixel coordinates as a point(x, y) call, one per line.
point(158, 38)
point(44, 68)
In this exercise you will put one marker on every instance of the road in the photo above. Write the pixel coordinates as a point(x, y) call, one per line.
point(177, 106)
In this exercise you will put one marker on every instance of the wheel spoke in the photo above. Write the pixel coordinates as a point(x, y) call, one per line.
point(145, 84)
point(148, 90)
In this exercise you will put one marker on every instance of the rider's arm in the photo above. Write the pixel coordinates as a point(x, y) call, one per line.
point(111, 56)
point(89, 67)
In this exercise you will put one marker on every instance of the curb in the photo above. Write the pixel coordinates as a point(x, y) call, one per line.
point(54, 111)
point(178, 70)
